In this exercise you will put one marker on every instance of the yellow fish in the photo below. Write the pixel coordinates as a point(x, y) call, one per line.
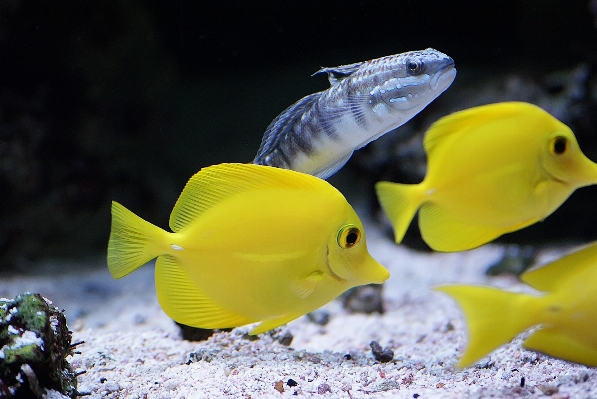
point(251, 243)
point(491, 170)
point(565, 310)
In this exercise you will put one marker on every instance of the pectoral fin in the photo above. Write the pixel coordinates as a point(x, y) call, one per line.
point(180, 299)
point(557, 344)
point(267, 325)
point(304, 288)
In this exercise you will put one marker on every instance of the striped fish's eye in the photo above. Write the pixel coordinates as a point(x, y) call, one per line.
point(414, 67)
point(348, 236)
point(558, 145)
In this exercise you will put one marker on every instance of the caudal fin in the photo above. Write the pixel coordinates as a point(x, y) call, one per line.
point(399, 204)
point(494, 317)
point(133, 241)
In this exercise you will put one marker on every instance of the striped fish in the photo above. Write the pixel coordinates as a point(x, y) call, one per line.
point(318, 134)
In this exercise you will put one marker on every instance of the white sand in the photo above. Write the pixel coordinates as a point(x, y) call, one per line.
point(132, 349)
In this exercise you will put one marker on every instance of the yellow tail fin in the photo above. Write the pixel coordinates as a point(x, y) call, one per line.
point(494, 317)
point(399, 205)
point(133, 241)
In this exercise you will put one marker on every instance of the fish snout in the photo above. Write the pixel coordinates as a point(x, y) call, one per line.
point(376, 273)
point(588, 173)
point(444, 77)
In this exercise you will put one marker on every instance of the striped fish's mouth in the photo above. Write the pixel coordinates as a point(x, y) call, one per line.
point(443, 78)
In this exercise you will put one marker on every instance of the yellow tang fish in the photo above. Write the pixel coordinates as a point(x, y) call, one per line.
point(565, 310)
point(491, 170)
point(251, 243)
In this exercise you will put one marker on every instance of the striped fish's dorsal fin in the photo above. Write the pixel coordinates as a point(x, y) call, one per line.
point(339, 73)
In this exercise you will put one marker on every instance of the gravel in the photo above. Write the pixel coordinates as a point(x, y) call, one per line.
point(133, 350)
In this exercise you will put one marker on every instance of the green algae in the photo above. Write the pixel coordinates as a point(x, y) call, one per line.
point(34, 345)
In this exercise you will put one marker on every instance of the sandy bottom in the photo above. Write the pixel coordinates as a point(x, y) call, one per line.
point(133, 350)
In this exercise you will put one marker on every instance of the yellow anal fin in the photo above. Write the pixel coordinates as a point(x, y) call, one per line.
point(267, 325)
point(304, 288)
point(557, 344)
point(180, 299)
point(446, 233)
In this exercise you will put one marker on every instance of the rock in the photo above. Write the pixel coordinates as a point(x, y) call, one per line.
point(380, 354)
point(34, 344)
point(516, 260)
point(363, 299)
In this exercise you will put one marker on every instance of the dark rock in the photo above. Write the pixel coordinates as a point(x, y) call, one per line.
point(380, 354)
point(34, 344)
point(286, 339)
point(363, 299)
point(319, 316)
point(291, 382)
point(197, 334)
point(516, 260)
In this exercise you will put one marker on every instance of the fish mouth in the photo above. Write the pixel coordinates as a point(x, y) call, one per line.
point(443, 78)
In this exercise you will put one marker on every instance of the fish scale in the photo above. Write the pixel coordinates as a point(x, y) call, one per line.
point(319, 133)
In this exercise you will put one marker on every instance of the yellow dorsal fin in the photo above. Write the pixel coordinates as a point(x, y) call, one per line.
point(304, 288)
point(555, 343)
point(445, 233)
point(267, 325)
point(182, 301)
point(211, 185)
point(460, 121)
point(548, 277)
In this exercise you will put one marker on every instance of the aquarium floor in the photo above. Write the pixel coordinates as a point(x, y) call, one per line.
point(133, 350)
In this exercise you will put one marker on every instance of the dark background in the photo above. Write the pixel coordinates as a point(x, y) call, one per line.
point(125, 100)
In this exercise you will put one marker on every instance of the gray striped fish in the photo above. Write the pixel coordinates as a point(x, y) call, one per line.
point(318, 134)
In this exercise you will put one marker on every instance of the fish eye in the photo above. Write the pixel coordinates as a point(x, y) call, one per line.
point(414, 67)
point(558, 145)
point(348, 236)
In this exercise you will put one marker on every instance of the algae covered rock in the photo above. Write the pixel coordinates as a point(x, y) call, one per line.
point(34, 344)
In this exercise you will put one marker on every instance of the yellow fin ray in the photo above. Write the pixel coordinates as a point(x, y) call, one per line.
point(214, 184)
point(446, 233)
point(549, 277)
point(492, 315)
point(133, 241)
point(398, 204)
point(557, 344)
point(304, 288)
point(180, 299)
point(270, 324)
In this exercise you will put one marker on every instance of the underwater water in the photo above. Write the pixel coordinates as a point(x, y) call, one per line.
point(127, 100)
